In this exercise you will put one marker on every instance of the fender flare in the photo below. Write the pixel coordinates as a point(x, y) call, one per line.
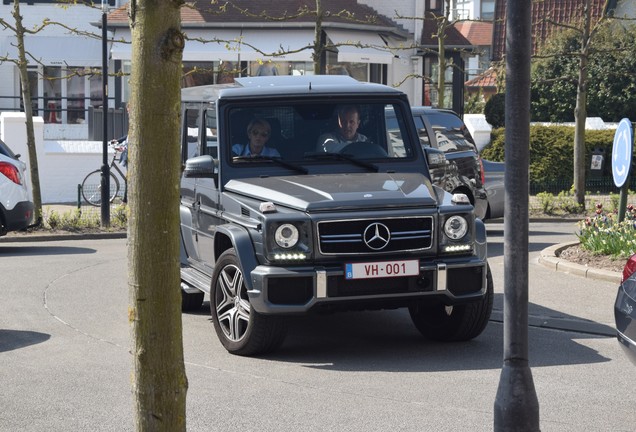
point(242, 243)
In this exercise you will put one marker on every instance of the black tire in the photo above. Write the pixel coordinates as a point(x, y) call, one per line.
point(454, 323)
point(191, 301)
point(92, 188)
point(241, 330)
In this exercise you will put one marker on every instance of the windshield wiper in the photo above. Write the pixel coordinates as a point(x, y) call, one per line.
point(344, 157)
point(276, 160)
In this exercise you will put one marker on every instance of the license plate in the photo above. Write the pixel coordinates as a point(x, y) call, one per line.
point(383, 269)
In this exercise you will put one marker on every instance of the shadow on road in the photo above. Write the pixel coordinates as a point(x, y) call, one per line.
point(43, 250)
point(15, 339)
point(388, 341)
point(375, 341)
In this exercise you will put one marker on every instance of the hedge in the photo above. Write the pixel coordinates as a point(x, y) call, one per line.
point(552, 152)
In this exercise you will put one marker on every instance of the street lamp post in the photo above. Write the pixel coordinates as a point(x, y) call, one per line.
point(516, 404)
point(105, 180)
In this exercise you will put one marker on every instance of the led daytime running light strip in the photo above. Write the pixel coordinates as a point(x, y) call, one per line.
point(290, 256)
point(457, 248)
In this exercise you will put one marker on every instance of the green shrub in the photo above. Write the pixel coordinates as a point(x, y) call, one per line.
point(495, 110)
point(546, 202)
point(551, 152)
point(78, 219)
point(567, 203)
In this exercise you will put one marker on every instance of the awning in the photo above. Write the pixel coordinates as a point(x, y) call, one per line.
point(366, 53)
point(264, 43)
point(194, 51)
point(234, 45)
point(58, 50)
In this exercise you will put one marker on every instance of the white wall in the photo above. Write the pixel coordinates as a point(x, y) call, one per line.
point(77, 16)
point(406, 8)
point(625, 8)
point(62, 165)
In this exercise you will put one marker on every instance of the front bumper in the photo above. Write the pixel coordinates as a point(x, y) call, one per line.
point(289, 290)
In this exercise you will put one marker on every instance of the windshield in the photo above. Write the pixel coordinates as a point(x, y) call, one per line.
point(312, 133)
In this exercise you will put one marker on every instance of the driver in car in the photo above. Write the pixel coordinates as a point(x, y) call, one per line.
point(347, 132)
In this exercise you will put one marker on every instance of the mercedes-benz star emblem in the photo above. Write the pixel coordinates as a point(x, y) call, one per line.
point(377, 236)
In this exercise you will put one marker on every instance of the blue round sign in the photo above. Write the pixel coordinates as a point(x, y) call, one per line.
point(622, 152)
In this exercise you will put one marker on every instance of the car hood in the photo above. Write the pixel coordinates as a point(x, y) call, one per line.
point(339, 191)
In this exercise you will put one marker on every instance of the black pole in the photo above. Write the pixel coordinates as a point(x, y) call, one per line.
point(105, 183)
point(516, 404)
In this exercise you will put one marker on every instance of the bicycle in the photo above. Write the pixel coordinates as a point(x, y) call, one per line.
point(92, 184)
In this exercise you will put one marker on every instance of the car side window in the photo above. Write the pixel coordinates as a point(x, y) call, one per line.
point(191, 133)
point(422, 133)
point(452, 134)
point(210, 139)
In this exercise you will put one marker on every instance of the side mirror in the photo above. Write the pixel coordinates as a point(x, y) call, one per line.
point(435, 158)
point(200, 167)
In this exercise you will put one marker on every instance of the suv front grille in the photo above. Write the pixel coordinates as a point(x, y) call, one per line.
point(368, 236)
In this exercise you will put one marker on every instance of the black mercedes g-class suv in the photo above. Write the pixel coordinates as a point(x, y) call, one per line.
point(301, 227)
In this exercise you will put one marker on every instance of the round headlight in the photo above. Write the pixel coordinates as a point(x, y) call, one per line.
point(286, 236)
point(455, 227)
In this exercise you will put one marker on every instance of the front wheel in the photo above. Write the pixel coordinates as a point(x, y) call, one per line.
point(92, 188)
point(461, 322)
point(240, 329)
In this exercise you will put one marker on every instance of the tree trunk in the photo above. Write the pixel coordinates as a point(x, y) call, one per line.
point(580, 115)
point(318, 55)
point(28, 112)
point(441, 63)
point(443, 23)
point(580, 112)
point(159, 381)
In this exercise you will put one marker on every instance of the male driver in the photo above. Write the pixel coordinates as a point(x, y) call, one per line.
point(347, 132)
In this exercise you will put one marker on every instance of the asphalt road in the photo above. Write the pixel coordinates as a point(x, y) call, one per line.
point(65, 363)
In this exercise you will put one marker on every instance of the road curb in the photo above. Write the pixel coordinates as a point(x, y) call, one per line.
point(549, 257)
point(29, 238)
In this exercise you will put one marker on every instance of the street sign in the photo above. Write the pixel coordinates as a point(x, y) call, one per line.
point(622, 152)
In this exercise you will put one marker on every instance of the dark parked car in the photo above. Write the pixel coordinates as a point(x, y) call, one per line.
point(625, 310)
point(485, 178)
point(308, 227)
point(445, 131)
point(494, 186)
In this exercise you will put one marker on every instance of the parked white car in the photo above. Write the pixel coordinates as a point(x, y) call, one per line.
point(16, 206)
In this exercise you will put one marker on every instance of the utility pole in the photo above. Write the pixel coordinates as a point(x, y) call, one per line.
point(105, 183)
point(516, 404)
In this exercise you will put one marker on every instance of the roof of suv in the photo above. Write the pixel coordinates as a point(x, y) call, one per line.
point(286, 85)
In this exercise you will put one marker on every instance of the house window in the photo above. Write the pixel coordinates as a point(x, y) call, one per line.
point(359, 71)
point(63, 95)
point(460, 9)
point(76, 96)
point(488, 10)
point(52, 94)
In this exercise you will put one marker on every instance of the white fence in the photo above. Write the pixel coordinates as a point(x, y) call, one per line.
point(62, 164)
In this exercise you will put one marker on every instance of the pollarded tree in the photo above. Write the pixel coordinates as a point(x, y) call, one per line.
point(586, 46)
point(159, 380)
point(611, 89)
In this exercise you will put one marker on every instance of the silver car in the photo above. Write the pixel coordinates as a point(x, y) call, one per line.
point(16, 207)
